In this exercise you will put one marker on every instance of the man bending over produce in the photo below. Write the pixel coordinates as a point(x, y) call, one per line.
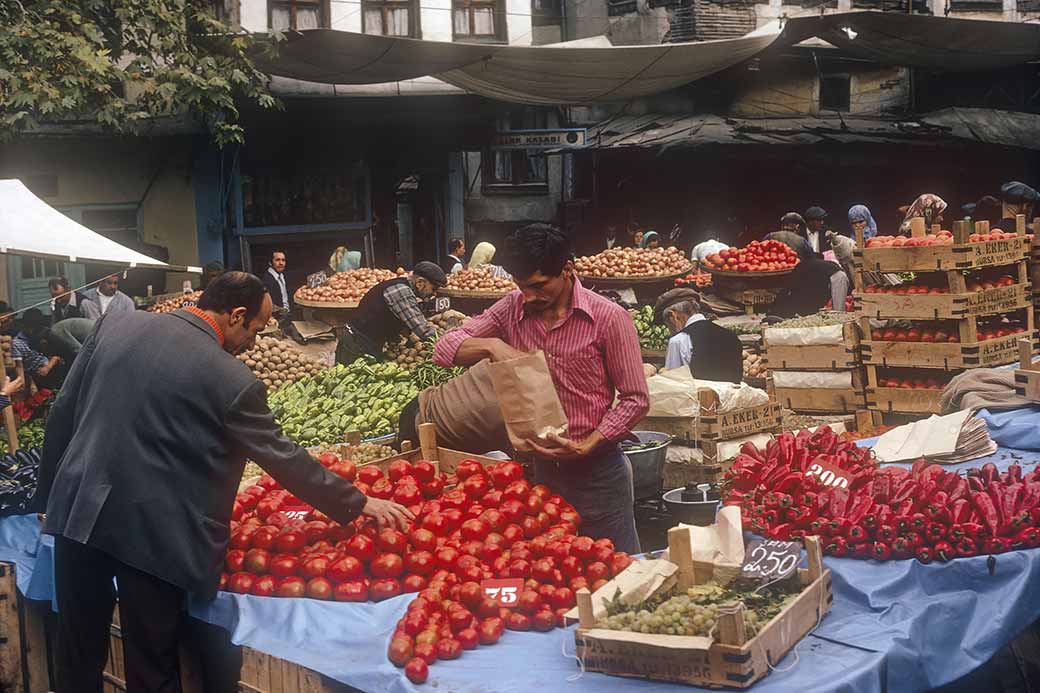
point(593, 352)
point(388, 309)
point(143, 453)
point(711, 352)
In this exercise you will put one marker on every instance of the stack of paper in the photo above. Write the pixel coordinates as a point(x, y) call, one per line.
point(949, 439)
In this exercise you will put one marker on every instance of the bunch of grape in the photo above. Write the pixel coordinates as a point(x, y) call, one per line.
point(680, 615)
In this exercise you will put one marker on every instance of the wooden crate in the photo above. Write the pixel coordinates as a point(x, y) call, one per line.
point(821, 401)
point(733, 660)
point(1027, 377)
point(961, 255)
point(713, 425)
point(959, 303)
point(24, 651)
point(898, 399)
point(947, 356)
point(816, 357)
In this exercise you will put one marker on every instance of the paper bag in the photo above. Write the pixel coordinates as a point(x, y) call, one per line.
point(526, 394)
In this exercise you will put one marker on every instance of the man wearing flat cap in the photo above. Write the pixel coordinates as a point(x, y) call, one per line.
point(1016, 198)
point(388, 309)
point(711, 352)
point(816, 229)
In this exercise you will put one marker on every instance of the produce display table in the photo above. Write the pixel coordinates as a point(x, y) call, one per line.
point(329, 312)
point(646, 289)
point(898, 625)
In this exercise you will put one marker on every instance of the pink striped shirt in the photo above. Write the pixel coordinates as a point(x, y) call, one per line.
point(593, 352)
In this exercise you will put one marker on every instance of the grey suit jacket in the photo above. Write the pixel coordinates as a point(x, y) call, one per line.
point(146, 443)
point(91, 306)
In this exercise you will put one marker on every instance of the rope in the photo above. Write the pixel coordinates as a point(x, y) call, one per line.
point(576, 657)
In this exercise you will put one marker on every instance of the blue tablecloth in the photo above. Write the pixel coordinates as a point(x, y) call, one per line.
point(898, 625)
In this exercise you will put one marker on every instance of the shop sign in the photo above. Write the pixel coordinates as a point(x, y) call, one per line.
point(540, 139)
point(442, 304)
point(829, 474)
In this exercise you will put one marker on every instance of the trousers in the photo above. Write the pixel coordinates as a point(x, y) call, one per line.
point(153, 620)
point(600, 489)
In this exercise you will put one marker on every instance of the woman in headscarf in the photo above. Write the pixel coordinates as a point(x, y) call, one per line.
point(861, 219)
point(928, 206)
point(482, 256)
point(650, 240)
point(343, 260)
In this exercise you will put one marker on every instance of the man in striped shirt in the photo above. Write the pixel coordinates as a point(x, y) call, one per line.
point(593, 353)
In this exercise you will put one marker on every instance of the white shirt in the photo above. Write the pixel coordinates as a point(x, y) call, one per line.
point(680, 347)
point(611, 242)
point(280, 278)
point(103, 301)
point(814, 240)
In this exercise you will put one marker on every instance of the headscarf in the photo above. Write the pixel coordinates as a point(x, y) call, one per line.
point(928, 206)
point(861, 213)
point(343, 260)
point(481, 255)
point(647, 237)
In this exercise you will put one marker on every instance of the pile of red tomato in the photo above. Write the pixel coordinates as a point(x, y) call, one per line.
point(942, 238)
point(927, 332)
point(912, 383)
point(757, 256)
point(698, 279)
point(477, 524)
point(973, 286)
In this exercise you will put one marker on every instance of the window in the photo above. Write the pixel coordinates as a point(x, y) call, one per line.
point(834, 92)
point(390, 18)
point(478, 20)
point(297, 15)
point(546, 12)
point(38, 268)
point(517, 170)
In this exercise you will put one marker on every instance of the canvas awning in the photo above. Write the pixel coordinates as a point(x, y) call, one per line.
point(590, 71)
point(565, 73)
point(29, 226)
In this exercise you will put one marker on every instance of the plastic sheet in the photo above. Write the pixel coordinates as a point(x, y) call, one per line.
point(1015, 428)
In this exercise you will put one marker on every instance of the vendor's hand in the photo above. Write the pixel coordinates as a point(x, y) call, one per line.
point(560, 449)
point(388, 513)
point(10, 387)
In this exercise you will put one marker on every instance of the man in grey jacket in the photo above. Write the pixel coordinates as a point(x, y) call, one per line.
point(142, 457)
point(106, 299)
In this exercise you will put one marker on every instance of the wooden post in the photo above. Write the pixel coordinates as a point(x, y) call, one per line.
point(960, 232)
point(428, 441)
point(982, 227)
point(586, 619)
point(917, 227)
point(681, 554)
point(957, 283)
point(731, 622)
point(11, 674)
point(1020, 224)
point(815, 557)
point(864, 421)
point(353, 437)
point(12, 429)
point(968, 330)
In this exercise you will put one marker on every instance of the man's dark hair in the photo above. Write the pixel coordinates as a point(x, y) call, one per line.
point(33, 319)
point(275, 252)
point(56, 282)
point(234, 290)
point(454, 245)
point(537, 248)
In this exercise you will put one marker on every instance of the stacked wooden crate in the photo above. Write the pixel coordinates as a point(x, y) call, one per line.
point(833, 352)
point(965, 317)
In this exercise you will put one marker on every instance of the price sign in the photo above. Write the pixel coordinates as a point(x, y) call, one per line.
point(769, 559)
point(442, 304)
point(298, 512)
point(829, 474)
point(317, 279)
point(188, 304)
point(506, 592)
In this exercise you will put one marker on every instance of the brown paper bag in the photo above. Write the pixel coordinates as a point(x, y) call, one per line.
point(528, 400)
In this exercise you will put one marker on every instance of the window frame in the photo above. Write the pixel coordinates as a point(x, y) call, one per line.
point(499, 13)
point(414, 16)
point(324, 8)
point(524, 119)
point(835, 76)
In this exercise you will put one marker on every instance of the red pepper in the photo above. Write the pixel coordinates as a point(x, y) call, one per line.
point(860, 506)
point(837, 546)
point(800, 513)
point(918, 467)
point(780, 532)
point(791, 483)
point(960, 489)
point(1034, 514)
point(820, 526)
point(786, 442)
point(990, 473)
point(923, 495)
point(886, 533)
point(797, 535)
point(975, 484)
point(988, 513)
point(901, 546)
point(1009, 502)
point(839, 501)
point(956, 533)
point(973, 530)
point(861, 479)
point(881, 551)
point(800, 463)
point(862, 551)
point(857, 533)
point(808, 499)
point(932, 473)
point(918, 522)
point(915, 539)
point(772, 499)
point(944, 552)
point(1028, 537)
point(924, 554)
point(996, 545)
point(839, 527)
point(1014, 473)
point(935, 531)
point(904, 492)
point(882, 487)
point(966, 547)
point(1018, 523)
point(960, 511)
point(938, 507)
point(1029, 499)
point(770, 517)
point(784, 500)
point(753, 452)
point(885, 516)
point(903, 524)
point(772, 450)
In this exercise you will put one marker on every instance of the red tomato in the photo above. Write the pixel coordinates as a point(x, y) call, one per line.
point(476, 486)
point(233, 560)
point(468, 468)
point(400, 650)
point(424, 471)
point(544, 620)
point(563, 598)
point(518, 621)
point(387, 565)
point(420, 563)
point(290, 542)
point(512, 534)
point(314, 567)
point(529, 601)
point(369, 474)
point(619, 562)
point(345, 469)
point(264, 586)
point(546, 592)
point(491, 630)
point(423, 539)
point(597, 571)
point(361, 547)
point(346, 568)
point(432, 488)
point(291, 586)
point(391, 541)
point(578, 583)
point(413, 583)
point(427, 652)
point(448, 648)
point(467, 638)
point(319, 588)
point(417, 670)
point(256, 561)
point(517, 490)
point(495, 519)
point(531, 526)
point(398, 469)
point(519, 569)
point(384, 588)
point(542, 570)
point(475, 529)
point(492, 499)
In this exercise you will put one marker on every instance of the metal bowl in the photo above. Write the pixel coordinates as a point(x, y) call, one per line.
point(699, 513)
point(648, 464)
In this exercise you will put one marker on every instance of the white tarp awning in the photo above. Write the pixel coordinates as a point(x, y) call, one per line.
point(29, 226)
point(566, 73)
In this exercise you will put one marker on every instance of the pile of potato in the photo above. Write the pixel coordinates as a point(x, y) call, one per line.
point(633, 262)
point(410, 351)
point(349, 286)
point(480, 279)
point(754, 365)
point(276, 363)
point(172, 304)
